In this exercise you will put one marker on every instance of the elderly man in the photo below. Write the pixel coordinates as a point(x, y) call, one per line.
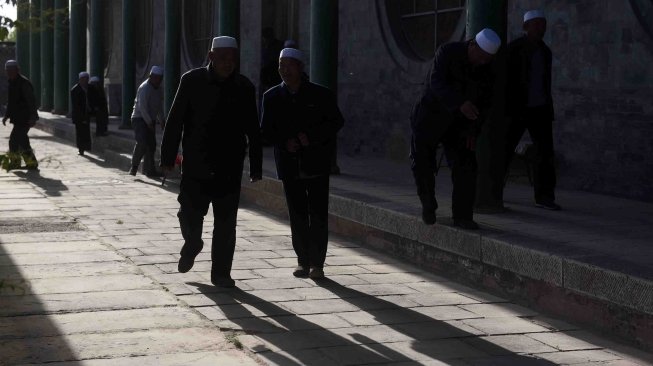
point(301, 120)
point(450, 111)
point(99, 107)
point(22, 113)
point(530, 104)
point(215, 112)
point(148, 111)
point(81, 113)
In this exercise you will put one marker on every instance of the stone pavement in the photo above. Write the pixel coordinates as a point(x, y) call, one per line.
point(88, 263)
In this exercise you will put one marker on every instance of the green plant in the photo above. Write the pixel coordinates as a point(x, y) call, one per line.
point(9, 161)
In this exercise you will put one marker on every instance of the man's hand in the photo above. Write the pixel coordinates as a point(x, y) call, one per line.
point(292, 145)
point(303, 139)
point(469, 110)
point(167, 169)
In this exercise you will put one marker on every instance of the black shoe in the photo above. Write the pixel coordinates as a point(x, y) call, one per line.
point(428, 216)
point(133, 170)
point(300, 271)
point(81, 153)
point(316, 273)
point(185, 264)
point(466, 224)
point(549, 205)
point(226, 282)
point(32, 167)
point(154, 174)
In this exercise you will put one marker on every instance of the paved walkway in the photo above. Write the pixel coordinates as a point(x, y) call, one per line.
point(88, 262)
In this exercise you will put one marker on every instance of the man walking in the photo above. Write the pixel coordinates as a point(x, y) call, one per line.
point(215, 112)
point(301, 120)
point(22, 113)
point(148, 111)
point(99, 107)
point(450, 110)
point(81, 113)
point(530, 105)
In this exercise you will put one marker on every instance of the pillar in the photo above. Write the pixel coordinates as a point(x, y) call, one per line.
point(171, 62)
point(35, 48)
point(47, 55)
point(229, 23)
point(96, 42)
point(77, 38)
point(61, 57)
point(23, 36)
point(128, 60)
point(324, 43)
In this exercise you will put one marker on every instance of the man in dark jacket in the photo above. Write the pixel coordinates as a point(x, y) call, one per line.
point(450, 110)
point(215, 111)
point(301, 120)
point(81, 113)
point(22, 113)
point(99, 107)
point(530, 105)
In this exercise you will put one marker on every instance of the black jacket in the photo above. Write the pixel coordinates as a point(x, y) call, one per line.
point(97, 99)
point(451, 81)
point(21, 102)
point(520, 52)
point(79, 103)
point(313, 110)
point(218, 120)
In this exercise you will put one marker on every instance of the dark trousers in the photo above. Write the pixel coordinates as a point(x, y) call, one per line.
point(145, 145)
point(308, 208)
point(540, 128)
point(463, 171)
point(194, 198)
point(19, 144)
point(101, 123)
point(83, 135)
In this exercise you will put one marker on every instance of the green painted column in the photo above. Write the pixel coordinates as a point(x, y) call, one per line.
point(172, 51)
point(35, 48)
point(77, 38)
point(97, 47)
point(229, 23)
point(490, 148)
point(128, 60)
point(324, 43)
point(47, 55)
point(22, 36)
point(61, 57)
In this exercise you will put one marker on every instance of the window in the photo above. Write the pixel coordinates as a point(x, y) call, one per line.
point(142, 32)
point(420, 26)
point(198, 29)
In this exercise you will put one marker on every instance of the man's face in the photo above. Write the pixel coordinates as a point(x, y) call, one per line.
point(477, 56)
point(156, 80)
point(290, 70)
point(12, 72)
point(224, 61)
point(83, 82)
point(535, 28)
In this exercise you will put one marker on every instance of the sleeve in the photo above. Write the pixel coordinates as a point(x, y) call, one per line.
point(333, 121)
point(175, 124)
point(143, 96)
point(439, 83)
point(253, 132)
point(268, 122)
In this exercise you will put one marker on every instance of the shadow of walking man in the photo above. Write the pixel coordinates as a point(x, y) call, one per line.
point(52, 187)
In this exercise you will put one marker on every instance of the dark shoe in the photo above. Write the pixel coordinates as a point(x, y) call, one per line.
point(300, 271)
point(549, 205)
point(428, 216)
point(32, 167)
point(466, 224)
point(154, 174)
point(81, 152)
point(226, 282)
point(316, 273)
point(133, 170)
point(185, 264)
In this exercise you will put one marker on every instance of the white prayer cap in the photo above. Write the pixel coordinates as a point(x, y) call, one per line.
point(488, 40)
point(224, 42)
point(11, 63)
point(156, 70)
point(533, 14)
point(83, 74)
point(94, 79)
point(292, 53)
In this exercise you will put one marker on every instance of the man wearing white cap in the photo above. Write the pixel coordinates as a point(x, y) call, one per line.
point(148, 111)
point(214, 115)
point(530, 105)
point(81, 113)
point(99, 107)
point(450, 111)
point(22, 113)
point(301, 120)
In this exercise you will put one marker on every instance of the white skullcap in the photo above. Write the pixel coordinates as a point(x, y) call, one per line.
point(488, 40)
point(224, 42)
point(292, 53)
point(94, 79)
point(156, 70)
point(83, 74)
point(533, 14)
point(11, 63)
